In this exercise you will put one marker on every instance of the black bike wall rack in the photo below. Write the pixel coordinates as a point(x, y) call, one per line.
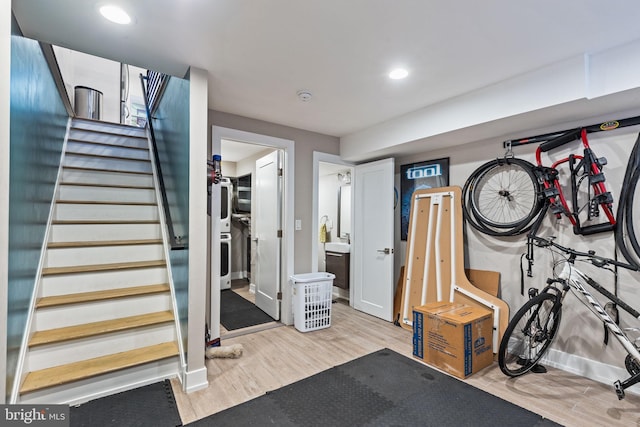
point(568, 135)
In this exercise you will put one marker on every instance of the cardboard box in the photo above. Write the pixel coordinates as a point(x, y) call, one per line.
point(456, 338)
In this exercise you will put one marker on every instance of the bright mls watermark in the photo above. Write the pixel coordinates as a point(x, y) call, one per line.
point(34, 415)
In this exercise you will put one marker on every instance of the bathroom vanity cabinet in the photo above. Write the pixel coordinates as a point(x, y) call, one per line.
point(338, 264)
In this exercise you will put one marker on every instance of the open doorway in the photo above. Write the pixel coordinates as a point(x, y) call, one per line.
point(259, 236)
point(332, 217)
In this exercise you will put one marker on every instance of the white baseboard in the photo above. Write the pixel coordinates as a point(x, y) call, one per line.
point(252, 288)
point(592, 369)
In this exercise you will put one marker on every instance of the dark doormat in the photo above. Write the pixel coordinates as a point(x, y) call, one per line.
point(381, 389)
point(236, 312)
point(153, 405)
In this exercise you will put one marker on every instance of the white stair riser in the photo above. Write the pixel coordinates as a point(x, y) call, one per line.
point(107, 150)
point(63, 284)
point(47, 356)
point(114, 129)
point(71, 159)
point(58, 317)
point(64, 257)
point(97, 232)
point(106, 384)
point(64, 211)
point(123, 140)
point(106, 194)
point(107, 178)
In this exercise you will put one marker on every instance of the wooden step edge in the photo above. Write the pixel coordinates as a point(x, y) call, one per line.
point(104, 202)
point(103, 221)
point(64, 374)
point(100, 185)
point(92, 268)
point(99, 243)
point(69, 333)
point(80, 168)
point(111, 144)
point(106, 156)
point(108, 294)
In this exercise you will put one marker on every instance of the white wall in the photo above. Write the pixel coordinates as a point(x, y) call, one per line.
point(579, 345)
point(196, 375)
point(81, 69)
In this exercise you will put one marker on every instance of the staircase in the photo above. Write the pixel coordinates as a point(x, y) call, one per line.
point(104, 316)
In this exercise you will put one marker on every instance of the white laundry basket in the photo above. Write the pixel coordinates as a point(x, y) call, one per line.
point(312, 300)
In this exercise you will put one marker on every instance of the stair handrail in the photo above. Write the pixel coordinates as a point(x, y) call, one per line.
point(150, 103)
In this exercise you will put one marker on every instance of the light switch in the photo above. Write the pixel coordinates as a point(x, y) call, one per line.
point(298, 224)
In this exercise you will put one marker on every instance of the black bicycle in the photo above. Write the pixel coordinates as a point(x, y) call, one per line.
point(533, 328)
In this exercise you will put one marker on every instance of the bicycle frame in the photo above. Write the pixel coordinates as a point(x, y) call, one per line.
point(572, 277)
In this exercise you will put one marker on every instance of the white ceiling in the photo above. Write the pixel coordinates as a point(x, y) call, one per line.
point(259, 54)
point(235, 151)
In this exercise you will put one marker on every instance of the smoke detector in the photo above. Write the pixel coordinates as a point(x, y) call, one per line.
point(304, 95)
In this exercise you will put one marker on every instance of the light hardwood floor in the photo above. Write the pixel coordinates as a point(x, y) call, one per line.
point(279, 356)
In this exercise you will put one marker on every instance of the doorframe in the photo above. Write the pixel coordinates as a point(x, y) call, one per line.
point(320, 157)
point(287, 261)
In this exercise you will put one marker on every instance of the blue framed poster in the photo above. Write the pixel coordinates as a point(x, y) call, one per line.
point(418, 176)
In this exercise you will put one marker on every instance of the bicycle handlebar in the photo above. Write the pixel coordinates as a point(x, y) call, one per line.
point(598, 261)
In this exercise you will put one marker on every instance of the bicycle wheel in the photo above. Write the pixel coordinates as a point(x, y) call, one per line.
point(529, 334)
point(627, 240)
point(503, 197)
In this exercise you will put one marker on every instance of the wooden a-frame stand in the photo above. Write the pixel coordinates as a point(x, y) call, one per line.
point(434, 267)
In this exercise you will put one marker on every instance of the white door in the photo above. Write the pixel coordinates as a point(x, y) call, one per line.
point(268, 202)
point(373, 238)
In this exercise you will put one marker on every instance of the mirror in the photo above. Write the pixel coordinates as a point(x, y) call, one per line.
point(344, 211)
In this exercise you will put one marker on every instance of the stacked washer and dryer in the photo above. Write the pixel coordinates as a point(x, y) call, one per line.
point(226, 192)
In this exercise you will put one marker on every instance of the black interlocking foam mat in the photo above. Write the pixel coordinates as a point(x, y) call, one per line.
point(149, 406)
point(381, 389)
point(237, 313)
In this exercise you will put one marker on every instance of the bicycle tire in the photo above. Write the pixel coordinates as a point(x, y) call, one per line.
point(502, 197)
point(525, 341)
point(624, 214)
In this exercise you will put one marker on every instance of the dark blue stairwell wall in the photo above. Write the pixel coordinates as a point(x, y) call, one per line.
point(37, 130)
point(171, 129)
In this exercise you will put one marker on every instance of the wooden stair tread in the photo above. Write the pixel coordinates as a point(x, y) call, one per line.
point(85, 330)
point(57, 300)
point(101, 267)
point(64, 374)
point(126, 186)
point(105, 170)
point(98, 243)
point(103, 221)
point(104, 202)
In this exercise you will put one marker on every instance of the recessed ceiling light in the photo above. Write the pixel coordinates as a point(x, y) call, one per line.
point(115, 14)
point(398, 73)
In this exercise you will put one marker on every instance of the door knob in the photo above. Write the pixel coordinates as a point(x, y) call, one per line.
point(385, 251)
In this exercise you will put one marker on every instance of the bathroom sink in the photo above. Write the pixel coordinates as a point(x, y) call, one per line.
point(341, 247)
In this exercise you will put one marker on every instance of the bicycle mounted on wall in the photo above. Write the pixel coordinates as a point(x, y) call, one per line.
point(510, 196)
